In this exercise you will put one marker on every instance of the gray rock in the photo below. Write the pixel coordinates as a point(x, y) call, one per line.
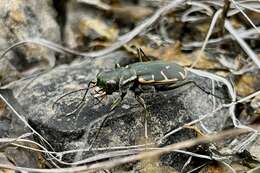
point(85, 24)
point(7, 72)
point(4, 128)
point(20, 20)
point(125, 126)
point(21, 157)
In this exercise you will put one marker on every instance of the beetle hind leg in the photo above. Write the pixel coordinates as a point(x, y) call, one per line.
point(179, 84)
point(142, 103)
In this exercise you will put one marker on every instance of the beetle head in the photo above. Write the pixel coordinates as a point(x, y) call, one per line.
point(108, 81)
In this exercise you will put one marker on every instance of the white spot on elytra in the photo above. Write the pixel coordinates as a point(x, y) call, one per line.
point(129, 79)
point(165, 77)
point(153, 77)
point(167, 67)
point(182, 75)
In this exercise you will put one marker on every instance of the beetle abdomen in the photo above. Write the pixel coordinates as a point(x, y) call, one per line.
point(159, 72)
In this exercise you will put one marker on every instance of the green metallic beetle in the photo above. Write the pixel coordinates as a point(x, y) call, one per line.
point(136, 77)
point(139, 74)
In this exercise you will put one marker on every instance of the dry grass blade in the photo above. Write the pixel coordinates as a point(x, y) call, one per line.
point(20, 116)
point(223, 17)
point(212, 24)
point(137, 30)
point(121, 40)
point(242, 43)
point(120, 161)
point(7, 97)
point(96, 3)
point(42, 42)
point(9, 141)
point(243, 34)
point(244, 14)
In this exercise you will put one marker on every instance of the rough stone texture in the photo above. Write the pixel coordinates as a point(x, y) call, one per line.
point(168, 110)
point(23, 19)
point(4, 127)
point(85, 24)
point(22, 157)
point(7, 72)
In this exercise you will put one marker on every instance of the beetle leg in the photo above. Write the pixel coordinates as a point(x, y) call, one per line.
point(139, 54)
point(182, 83)
point(143, 54)
point(174, 86)
point(99, 95)
point(117, 101)
point(142, 103)
point(124, 86)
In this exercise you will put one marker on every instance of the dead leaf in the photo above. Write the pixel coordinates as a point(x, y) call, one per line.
point(88, 25)
point(245, 84)
point(172, 52)
point(204, 61)
point(214, 168)
point(96, 3)
point(255, 104)
point(15, 13)
point(131, 12)
point(239, 168)
point(4, 160)
point(255, 148)
point(2, 107)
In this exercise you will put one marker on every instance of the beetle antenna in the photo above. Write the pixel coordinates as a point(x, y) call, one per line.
point(83, 98)
point(56, 101)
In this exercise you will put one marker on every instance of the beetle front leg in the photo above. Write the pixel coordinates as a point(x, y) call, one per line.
point(124, 86)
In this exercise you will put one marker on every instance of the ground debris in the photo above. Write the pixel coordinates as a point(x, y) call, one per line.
point(216, 42)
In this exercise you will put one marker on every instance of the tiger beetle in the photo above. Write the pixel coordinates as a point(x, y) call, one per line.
point(138, 78)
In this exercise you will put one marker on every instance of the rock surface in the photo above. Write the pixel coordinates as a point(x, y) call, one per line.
point(7, 72)
point(125, 126)
point(23, 19)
